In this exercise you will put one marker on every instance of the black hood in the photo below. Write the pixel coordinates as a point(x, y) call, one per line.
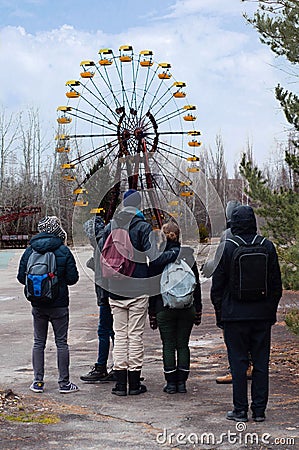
point(230, 206)
point(243, 220)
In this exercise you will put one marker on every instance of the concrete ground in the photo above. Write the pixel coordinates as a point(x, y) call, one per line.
point(95, 419)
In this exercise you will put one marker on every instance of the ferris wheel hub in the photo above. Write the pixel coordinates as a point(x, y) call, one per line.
point(138, 133)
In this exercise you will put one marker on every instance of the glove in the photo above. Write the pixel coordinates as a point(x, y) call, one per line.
point(219, 322)
point(197, 318)
point(220, 325)
point(90, 263)
point(208, 268)
point(153, 321)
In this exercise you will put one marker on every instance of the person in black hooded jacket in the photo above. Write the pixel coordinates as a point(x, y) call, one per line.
point(50, 239)
point(247, 325)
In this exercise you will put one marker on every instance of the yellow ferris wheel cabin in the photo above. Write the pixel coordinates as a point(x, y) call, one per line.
point(87, 73)
point(146, 58)
point(126, 53)
point(106, 56)
point(165, 74)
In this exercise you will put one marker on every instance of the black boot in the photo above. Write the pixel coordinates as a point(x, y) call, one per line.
point(135, 387)
point(171, 379)
point(121, 384)
point(182, 376)
point(97, 373)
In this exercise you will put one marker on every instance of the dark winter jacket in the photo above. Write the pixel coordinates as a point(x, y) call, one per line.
point(66, 266)
point(227, 308)
point(139, 230)
point(94, 229)
point(156, 268)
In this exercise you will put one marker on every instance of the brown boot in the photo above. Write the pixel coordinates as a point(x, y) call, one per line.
point(225, 379)
point(249, 372)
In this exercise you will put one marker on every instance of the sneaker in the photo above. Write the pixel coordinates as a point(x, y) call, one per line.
point(110, 377)
point(37, 386)
point(68, 388)
point(97, 373)
point(237, 416)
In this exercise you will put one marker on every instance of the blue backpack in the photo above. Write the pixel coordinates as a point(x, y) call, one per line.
point(41, 282)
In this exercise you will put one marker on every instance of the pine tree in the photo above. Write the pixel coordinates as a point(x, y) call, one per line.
point(277, 24)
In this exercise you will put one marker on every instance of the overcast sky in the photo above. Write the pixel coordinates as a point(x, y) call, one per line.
point(230, 75)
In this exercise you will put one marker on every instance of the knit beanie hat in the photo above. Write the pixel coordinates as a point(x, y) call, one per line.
point(132, 198)
point(51, 225)
point(94, 227)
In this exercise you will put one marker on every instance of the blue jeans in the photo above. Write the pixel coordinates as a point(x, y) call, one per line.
point(59, 319)
point(105, 332)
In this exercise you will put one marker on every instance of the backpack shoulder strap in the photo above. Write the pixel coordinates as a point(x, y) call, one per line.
point(237, 240)
point(258, 239)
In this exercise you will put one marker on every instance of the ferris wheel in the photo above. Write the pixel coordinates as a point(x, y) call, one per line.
point(128, 113)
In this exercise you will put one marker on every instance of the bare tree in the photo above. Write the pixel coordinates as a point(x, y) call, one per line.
point(8, 136)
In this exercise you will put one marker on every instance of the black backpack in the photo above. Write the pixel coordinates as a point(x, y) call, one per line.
point(249, 269)
point(41, 283)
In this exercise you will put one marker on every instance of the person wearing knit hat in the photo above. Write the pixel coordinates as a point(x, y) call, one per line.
point(50, 240)
point(51, 224)
point(132, 198)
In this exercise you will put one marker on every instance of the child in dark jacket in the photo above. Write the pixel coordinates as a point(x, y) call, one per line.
point(50, 239)
point(175, 325)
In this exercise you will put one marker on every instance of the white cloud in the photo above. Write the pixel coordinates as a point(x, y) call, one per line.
point(228, 75)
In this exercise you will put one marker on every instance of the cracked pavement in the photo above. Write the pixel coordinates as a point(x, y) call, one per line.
point(93, 418)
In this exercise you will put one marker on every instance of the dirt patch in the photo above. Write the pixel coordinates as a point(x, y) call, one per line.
point(26, 409)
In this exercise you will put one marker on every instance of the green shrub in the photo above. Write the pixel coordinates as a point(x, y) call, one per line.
point(203, 233)
point(292, 320)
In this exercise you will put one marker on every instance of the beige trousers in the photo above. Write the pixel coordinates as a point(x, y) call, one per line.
point(129, 318)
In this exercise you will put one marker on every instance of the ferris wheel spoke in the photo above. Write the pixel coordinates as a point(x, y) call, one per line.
point(101, 99)
point(97, 110)
point(109, 85)
point(155, 95)
point(174, 166)
point(95, 151)
point(91, 120)
point(91, 135)
point(125, 99)
point(153, 105)
point(177, 151)
point(168, 117)
point(166, 174)
point(135, 77)
point(146, 88)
